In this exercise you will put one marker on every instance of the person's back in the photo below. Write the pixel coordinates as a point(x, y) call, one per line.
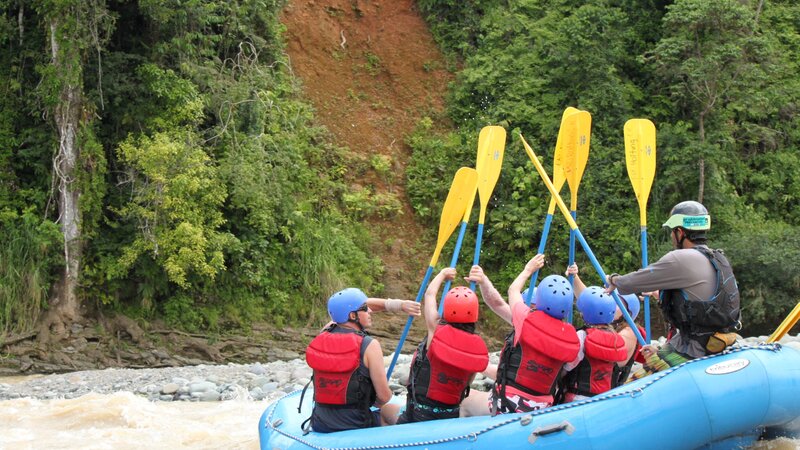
point(348, 372)
point(448, 359)
point(622, 369)
point(535, 353)
point(440, 374)
point(710, 307)
point(343, 391)
point(602, 348)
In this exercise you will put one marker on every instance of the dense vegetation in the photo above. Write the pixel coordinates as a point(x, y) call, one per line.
point(155, 157)
point(717, 77)
point(201, 190)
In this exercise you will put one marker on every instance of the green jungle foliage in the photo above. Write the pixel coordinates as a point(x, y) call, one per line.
point(209, 198)
point(717, 77)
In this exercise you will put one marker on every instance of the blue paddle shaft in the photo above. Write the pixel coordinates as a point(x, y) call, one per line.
point(574, 215)
point(453, 262)
point(477, 258)
point(646, 297)
point(602, 274)
point(408, 322)
point(542, 244)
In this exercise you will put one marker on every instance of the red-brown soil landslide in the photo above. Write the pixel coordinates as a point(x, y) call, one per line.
point(372, 70)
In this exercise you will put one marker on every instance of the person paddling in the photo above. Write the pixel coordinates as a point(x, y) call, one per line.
point(347, 363)
point(447, 360)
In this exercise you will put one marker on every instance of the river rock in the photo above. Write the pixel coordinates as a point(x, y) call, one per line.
point(170, 388)
point(202, 386)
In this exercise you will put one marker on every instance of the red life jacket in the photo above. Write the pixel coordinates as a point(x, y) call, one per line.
point(533, 365)
point(441, 373)
point(595, 373)
point(340, 377)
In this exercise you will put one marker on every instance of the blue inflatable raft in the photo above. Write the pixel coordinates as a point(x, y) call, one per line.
point(718, 402)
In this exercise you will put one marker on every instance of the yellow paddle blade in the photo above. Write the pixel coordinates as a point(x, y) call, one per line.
point(566, 132)
point(462, 192)
point(491, 146)
point(576, 153)
point(561, 205)
point(786, 325)
point(640, 157)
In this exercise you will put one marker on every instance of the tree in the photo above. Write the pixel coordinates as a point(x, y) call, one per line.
point(74, 29)
point(709, 56)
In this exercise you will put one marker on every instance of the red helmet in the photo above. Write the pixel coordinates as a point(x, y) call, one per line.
point(460, 305)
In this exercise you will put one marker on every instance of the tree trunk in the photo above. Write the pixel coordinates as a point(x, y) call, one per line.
point(757, 16)
point(702, 163)
point(64, 304)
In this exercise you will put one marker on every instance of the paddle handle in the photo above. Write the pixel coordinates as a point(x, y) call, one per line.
point(453, 262)
point(646, 297)
point(571, 277)
point(477, 258)
point(422, 288)
point(542, 244)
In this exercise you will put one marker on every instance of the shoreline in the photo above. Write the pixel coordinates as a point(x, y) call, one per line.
point(212, 382)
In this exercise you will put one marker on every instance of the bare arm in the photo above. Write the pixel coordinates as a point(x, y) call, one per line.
point(409, 307)
point(490, 295)
point(431, 307)
point(373, 359)
point(630, 344)
point(577, 284)
point(515, 290)
point(490, 371)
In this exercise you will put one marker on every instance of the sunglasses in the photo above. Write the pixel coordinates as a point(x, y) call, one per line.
point(363, 307)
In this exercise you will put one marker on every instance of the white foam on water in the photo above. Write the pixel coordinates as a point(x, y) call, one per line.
point(126, 421)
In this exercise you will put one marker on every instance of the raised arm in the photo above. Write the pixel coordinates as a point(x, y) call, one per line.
point(515, 290)
point(431, 309)
point(577, 283)
point(490, 295)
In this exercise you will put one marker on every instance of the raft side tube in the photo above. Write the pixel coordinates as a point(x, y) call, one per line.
point(717, 402)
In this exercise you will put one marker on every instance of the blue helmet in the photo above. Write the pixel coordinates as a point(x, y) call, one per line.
point(525, 295)
point(342, 303)
point(596, 306)
point(632, 301)
point(554, 296)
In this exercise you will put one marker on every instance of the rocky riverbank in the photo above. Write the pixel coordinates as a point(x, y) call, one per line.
point(207, 382)
point(190, 383)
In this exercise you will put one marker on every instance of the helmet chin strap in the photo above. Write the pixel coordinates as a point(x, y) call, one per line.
point(680, 241)
point(357, 322)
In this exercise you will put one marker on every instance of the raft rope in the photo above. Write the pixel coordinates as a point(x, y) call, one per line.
point(524, 417)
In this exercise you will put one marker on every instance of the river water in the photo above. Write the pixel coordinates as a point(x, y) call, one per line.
point(124, 420)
